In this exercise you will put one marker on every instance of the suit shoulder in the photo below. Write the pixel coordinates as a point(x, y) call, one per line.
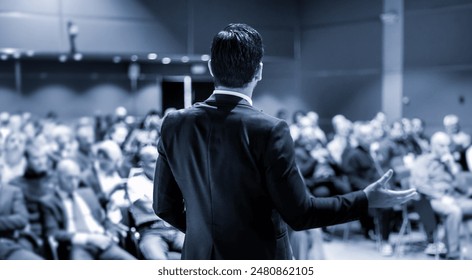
point(265, 119)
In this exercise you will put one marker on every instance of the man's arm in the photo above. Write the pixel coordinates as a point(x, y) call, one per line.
point(168, 202)
point(301, 210)
point(288, 192)
point(18, 218)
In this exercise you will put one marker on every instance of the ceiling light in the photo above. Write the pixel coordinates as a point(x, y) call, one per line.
point(152, 56)
point(63, 58)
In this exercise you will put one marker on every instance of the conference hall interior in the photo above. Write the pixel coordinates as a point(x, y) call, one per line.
point(91, 81)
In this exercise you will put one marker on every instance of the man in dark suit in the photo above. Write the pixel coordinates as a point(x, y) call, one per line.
point(13, 219)
point(226, 173)
point(76, 220)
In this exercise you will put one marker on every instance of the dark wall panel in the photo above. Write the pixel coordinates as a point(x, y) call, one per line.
point(438, 38)
point(341, 58)
point(275, 20)
point(325, 12)
point(434, 94)
point(411, 5)
point(343, 47)
point(356, 97)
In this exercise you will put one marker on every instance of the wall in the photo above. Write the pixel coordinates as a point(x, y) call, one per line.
point(438, 61)
point(123, 27)
point(323, 55)
point(341, 58)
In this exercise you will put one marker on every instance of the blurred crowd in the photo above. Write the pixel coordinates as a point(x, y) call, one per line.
point(359, 152)
point(83, 189)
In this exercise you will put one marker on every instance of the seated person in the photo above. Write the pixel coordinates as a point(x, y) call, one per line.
point(14, 157)
point(37, 182)
point(361, 168)
point(74, 217)
point(13, 218)
point(106, 179)
point(434, 175)
point(318, 169)
point(157, 237)
point(459, 140)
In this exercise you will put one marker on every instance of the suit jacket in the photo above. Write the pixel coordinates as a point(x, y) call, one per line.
point(90, 179)
point(55, 215)
point(226, 176)
point(360, 168)
point(13, 212)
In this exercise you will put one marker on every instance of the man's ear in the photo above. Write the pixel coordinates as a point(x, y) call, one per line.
point(209, 68)
point(258, 75)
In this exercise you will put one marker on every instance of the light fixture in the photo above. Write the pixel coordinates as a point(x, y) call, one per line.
point(63, 58)
point(117, 59)
point(4, 56)
point(134, 57)
point(185, 59)
point(72, 29)
point(30, 53)
point(166, 60)
point(152, 56)
point(78, 56)
point(198, 69)
point(73, 32)
point(205, 57)
point(390, 17)
point(9, 50)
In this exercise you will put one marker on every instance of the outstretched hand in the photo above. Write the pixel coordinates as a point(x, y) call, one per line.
point(381, 197)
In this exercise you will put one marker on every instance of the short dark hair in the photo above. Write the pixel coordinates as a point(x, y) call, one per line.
point(236, 53)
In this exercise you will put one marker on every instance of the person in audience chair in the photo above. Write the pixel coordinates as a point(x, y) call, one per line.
point(157, 238)
point(37, 182)
point(435, 175)
point(13, 218)
point(74, 218)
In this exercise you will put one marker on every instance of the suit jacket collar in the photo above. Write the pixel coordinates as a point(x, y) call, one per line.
point(226, 99)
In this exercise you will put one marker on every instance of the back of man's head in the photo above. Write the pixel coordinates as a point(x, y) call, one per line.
point(236, 54)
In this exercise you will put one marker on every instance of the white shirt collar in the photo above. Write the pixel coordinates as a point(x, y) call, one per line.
point(234, 93)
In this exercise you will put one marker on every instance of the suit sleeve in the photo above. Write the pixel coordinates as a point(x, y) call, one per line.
point(18, 218)
point(51, 222)
point(168, 202)
point(288, 192)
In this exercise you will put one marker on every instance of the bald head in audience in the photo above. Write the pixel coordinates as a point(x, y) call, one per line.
point(68, 175)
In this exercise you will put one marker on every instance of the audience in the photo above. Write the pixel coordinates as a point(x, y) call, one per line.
point(36, 182)
point(115, 156)
point(459, 140)
point(157, 238)
point(435, 176)
point(14, 156)
point(75, 219)
point(362, 167)
point(13, 219)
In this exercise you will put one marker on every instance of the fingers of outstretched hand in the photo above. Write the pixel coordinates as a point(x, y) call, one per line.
point(384, 179)
point(403, 195)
